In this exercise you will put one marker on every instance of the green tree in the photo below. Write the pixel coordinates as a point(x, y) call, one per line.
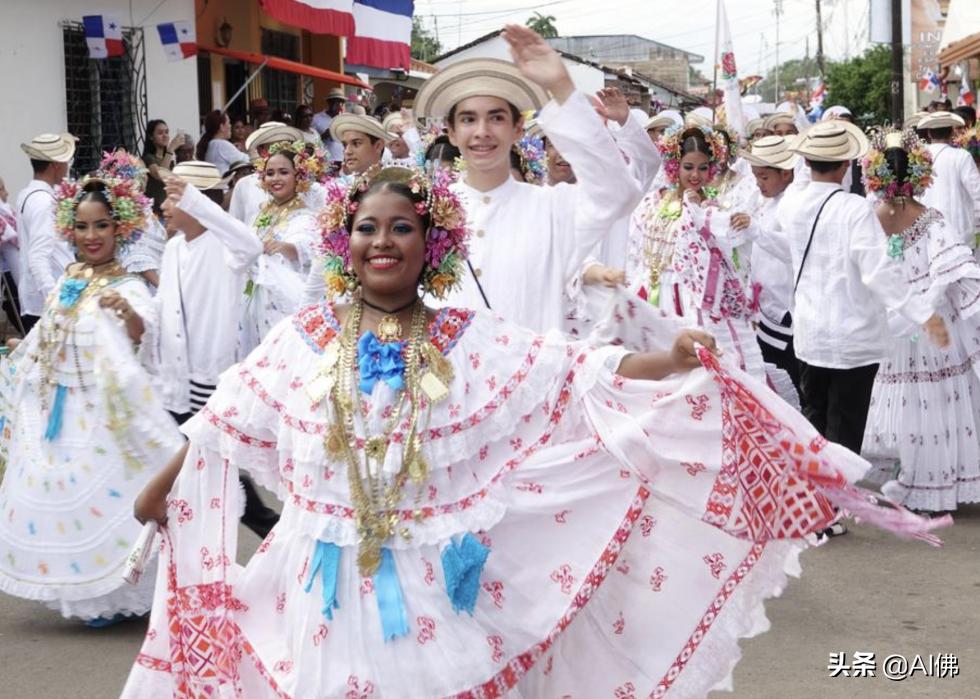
point(792, 76)
point(425, 46)
point(863, 85)
point(543, 25)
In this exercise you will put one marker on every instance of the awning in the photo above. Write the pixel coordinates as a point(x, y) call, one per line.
point(284, 64)
point(967, 47)
point(961, 33)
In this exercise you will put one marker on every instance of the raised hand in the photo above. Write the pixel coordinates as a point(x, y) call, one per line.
point(538, 62)
point(616, 106)
point(174, 187)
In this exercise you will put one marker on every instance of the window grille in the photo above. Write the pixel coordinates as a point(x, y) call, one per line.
point(281, 88)
point(106, 97)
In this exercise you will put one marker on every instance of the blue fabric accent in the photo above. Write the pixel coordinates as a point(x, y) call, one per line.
point(404, 8)
point(391, 602)
point(71, 291)
point(896, 247)
point(57, 414)
point(326, 560)
point(380, 361)
point(462, 565)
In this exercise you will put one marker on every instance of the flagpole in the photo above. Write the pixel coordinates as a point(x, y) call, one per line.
point(714, 80)
point(244, 87)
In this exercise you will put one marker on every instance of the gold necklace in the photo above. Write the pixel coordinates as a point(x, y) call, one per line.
point(272, 215)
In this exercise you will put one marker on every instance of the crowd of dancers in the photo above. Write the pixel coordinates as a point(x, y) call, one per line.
point(538, 378)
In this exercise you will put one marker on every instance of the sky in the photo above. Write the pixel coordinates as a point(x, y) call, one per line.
point(685, 24)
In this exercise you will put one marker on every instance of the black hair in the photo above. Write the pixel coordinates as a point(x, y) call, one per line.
point(395, 180)
point(968, 113)
point(299, 108)
point(943, 133)
point(822, 167)
point(515, 114)
point(95, 191)
point(693, 141)
point(898, 163)
point(443, 150)
point(150, 150)
point(215, 195)
point(39, 166)
point(515, 160)
point(212, 123)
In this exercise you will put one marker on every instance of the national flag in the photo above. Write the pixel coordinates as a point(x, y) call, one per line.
point(929, 82)
point(334, 17)
point(816, 99)
point(383, 34)
point(179, 39)
point(103, 34)
point(729, 74)
point(966, 93)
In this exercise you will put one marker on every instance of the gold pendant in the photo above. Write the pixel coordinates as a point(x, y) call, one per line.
point(319, 388)
point(389, 329)
point(368, 557)
point(376, 448)
point(434, 389)
point(418, 470)
point(333, 444)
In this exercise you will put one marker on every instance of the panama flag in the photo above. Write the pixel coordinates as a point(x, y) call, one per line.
point(383, 34)
point(816, 99)
point(966, 94)
point(729, 73)
point(103, 34)
point(334, 17)
point(929, 82)
point(179, 39)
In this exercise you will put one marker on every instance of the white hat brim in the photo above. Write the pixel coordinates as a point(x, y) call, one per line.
point(200, 174)
point(51, 148)
point(345, 123)
point(823, 143)
point(478, 77)
point(940, 120)
point(266, 135)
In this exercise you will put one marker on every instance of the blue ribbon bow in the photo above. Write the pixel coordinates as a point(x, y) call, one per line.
point(462, 565)
point(71, 291)
point(380, 361)
point(326, 559)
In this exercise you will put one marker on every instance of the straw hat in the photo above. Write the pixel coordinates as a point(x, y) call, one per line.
point(392, 121)
point(772, 120)
point(336, 94)
point(242, 164)
point(773, 151)
point(835, 112)
point(477, 77)
point(754, 125)
point(832, 142)
point(200, 174)
point(940, 120)
point(51, 148)
point(913, 121)
point(342, 123)
point(272, 132)
point(658, 121)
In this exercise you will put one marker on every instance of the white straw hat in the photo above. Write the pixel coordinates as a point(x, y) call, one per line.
point(754, 125)
point(392, 121)
point(659, 121)
point(831, 142)
point(342, 123)
point(199, 174)
point(773, 151)
point(779, 118)
point(477, 77)
point(834, 112)
point(272, 132)
point(51, 148)
point(940, 120)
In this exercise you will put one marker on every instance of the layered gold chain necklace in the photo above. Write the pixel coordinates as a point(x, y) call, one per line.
point(273, 215)
point(376, 498)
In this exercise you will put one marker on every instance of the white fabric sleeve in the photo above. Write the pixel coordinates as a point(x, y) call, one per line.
point(970, 177)
point(41, 224)
point(644, 156)
point(412, 139)
point(316, 286)
point(242, 245)
point(237, 205)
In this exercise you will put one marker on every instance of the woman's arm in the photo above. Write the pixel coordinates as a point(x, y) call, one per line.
point(653, 366)
point(151, 503)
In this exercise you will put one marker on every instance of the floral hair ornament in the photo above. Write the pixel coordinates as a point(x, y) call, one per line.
point(878, 175)
point(445, 240)
point(534, 159)
point(122, 165)
point(127, 205)
point(308, 159)
point(671, 144)
point(970, 141)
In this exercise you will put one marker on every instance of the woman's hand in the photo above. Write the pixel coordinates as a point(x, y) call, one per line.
point(287, 250)
point(12, 343)
point(693, 196)
point(151, 505)
point(538, 61)
point(174, 187)
point(684, 355)
point(740, 222)
point(936, 330)
point(609, 277)
point(112, 301)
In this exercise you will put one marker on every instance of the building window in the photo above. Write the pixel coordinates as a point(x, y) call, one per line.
point(281, 88)
point(105, 98)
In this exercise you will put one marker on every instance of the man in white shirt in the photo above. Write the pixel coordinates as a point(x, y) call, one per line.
point(527, 241)
point(336, 99)
point(955, 188)
point(844, 282)
point(364, 139)
point(199, 301)
point(405, 139)
point(248, 196)
point(44, 255)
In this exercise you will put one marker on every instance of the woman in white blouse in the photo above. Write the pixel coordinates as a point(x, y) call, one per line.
point(214, 145)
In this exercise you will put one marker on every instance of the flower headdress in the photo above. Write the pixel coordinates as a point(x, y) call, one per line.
point(127, 205)
point(970, 141)
point(534, 159)
point(878, 175)
point(445, 241)
point(124, 166)
point(670, 149)
point(308, 159)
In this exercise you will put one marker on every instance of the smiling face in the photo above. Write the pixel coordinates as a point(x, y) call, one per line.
point(279, 178)
point(559, 169)
point(95, 231)
point(484, 129)
point(694, 171)
point(387, 244)
point(360, 152)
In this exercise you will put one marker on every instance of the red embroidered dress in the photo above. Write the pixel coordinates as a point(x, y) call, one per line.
point(634, 528)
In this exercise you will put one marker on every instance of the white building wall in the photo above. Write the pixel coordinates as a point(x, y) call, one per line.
point(586, 78)
point(32, 65)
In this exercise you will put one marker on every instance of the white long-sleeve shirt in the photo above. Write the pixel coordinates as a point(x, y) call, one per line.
point(200, 299)
point(44, 256)
point(848, 281)
point(955, 190)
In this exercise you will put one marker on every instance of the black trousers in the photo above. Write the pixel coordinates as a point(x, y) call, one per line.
point(29, 321)
point(836, 401)
point(784, 358)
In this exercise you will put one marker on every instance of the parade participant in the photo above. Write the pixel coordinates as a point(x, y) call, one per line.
point(249, 196)
point(923, 428)
point(955, 188)
point(333, 107)
point(363, 138)
point(405, 140)
point(656, 126)
point(529, 241)
point(843, 282)
point(471, 509)
point(756, 128)
point(43, 257)
point(84, 427)
point(284, 225)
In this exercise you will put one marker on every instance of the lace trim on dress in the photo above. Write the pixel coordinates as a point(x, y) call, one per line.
point(911, 235)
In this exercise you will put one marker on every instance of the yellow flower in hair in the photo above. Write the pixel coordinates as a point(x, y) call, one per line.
point(446, 214)
point(439, 284)
point(336, 285)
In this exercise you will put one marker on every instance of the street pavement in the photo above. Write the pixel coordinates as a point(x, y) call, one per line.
point(865, 592)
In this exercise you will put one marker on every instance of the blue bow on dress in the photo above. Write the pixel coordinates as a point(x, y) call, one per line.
point(380, 361)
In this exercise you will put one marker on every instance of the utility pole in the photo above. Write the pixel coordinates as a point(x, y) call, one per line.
point(820, 65)
point(898, 60)
point(806, 70)
point(777, 11)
